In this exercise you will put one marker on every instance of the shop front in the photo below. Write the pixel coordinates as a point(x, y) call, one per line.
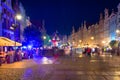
point(4, 43)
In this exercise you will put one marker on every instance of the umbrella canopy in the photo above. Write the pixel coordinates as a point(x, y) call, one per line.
point(7, 42)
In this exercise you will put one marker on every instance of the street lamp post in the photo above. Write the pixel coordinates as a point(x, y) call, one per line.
point(92, 38)
point(117, 34)
point(14, 26)
point(44, 37)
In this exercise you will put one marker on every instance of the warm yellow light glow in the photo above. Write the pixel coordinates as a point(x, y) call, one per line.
point(103, 42)
point(117, 31)
point(93, 60)
point(92, 38)
point(18, 17)
point(80, 56)
point(80, 41)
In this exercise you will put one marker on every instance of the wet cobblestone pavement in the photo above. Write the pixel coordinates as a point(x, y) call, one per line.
point(66, 68)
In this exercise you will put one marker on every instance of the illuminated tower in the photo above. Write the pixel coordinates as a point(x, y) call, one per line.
point(55, 40)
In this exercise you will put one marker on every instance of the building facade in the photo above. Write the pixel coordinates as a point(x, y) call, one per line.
point(113, 26)
point(0, 18)
point(7, 18)
point(8, 11)
point(100, 30)
point(101, 33)
point(106, 39)
point(23, 22)
point(118, 21)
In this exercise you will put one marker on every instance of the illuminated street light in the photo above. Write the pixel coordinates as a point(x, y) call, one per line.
point(29, 46)
point(92, 38)
point(44, 37)
point(15, 25)
point(78, 45)
point(49, 40)
point(80, 41)
point(18, 17)
point(103, 42)
point(117, 31)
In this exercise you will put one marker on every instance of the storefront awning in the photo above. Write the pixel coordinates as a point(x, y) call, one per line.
point(8, 42)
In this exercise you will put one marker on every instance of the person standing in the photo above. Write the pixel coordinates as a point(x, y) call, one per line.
point(16, 56)
point(89, 51)
point(118, 51)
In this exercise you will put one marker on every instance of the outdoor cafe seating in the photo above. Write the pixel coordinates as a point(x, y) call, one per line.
point(5, 42)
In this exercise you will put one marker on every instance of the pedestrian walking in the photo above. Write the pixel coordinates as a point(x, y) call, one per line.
point(89, 51)
point(118, 51)
point(16, 56)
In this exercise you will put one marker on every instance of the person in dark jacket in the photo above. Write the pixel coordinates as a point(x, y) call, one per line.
point(89, 51)
point(16, 56)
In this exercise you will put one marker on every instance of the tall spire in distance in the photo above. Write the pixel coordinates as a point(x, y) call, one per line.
point(73, 30)
point(113, 11)
point(118, 7)
point(84, 25)
point(101, 16)
point(43, 27)
point(106, 12)
point(28, 23)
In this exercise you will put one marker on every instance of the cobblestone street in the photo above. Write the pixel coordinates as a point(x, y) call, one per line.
point(65, 68)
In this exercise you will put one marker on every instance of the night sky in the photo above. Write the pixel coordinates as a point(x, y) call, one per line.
point(61, 15)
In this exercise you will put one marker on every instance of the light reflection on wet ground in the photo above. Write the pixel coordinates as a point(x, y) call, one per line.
point(65, 68)
point(44, 60)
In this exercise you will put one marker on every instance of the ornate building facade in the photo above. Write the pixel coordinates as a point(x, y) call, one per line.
point(118, 21)
point(106, 35)
point(113, 25)
point(99, 34)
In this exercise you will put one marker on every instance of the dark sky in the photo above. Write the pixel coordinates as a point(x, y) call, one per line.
point(61, 15)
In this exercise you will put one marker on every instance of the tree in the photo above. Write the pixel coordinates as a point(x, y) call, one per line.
point(47, 41)
point(32, 36)
point(114, 44)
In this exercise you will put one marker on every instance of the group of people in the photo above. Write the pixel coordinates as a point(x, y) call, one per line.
point(12, 55)
point(89, 51)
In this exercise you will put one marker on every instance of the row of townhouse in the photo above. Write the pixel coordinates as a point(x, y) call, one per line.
point(8, 11)
point(99, 34)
